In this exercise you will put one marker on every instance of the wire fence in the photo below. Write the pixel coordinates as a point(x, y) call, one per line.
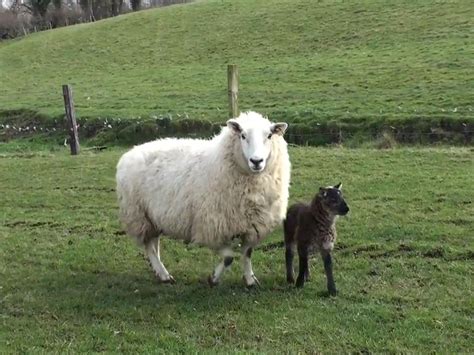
point(315, 117)
point(134, 132)
point(150, 129)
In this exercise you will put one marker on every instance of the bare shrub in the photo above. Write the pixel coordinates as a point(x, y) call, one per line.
point(73, 15)
point(64, 16)
point(13, 25)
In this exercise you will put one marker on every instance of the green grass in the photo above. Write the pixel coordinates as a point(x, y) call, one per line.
point(70, 282)
point(300, 60)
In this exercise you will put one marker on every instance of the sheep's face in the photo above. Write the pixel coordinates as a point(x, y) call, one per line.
point(333, 201)
point(255, 138)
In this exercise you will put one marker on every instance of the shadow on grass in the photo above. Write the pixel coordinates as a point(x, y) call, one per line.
point(92, 295)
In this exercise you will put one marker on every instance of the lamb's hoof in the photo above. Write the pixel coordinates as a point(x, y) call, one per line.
point(332, 292)
point(169, 280)
point(290, 280)
point(211, 282)
point(299, 282)
point(254, 283)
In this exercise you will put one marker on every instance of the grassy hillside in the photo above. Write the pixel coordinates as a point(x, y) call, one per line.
point(299, 59)
point(71, 282)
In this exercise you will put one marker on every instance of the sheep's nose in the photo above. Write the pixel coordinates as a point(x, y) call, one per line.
point(256, 162)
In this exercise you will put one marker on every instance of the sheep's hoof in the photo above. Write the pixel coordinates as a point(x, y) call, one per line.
point(290, 279)
point(252, 284)
point(169, 280)
point(332, 292)
point(211, 281)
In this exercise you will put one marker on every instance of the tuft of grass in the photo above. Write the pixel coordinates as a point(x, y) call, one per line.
point(72, 282)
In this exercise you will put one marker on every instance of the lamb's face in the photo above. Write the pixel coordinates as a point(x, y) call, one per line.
point(333, 200)
point(256, 140)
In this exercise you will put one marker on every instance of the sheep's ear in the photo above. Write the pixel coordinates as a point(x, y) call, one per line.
point(234, 126)
point(279, 128)
point(338, 186)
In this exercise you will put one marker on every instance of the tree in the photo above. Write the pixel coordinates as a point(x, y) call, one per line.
point(136, 4)
point(116, 7)
point(86, 6)
point(57, 4)
point(38, 8)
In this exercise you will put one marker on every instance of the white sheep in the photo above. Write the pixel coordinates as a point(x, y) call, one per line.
point(207, 192)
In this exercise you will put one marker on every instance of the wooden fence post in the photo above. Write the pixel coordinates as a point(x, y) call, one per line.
point(233, 89)
point(71, 119)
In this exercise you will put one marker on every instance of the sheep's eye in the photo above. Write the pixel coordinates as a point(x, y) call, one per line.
point(243, 137)
point(270, 136)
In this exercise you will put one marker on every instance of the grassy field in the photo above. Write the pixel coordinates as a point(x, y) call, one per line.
point(71, 282)
point(299, 60)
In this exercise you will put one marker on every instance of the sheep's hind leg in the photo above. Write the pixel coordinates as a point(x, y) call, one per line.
point(249, 277)
point(152, 250)
point(227, 259)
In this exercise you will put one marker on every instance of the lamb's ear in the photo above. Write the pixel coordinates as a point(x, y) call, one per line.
point(322, 191)
point(279, 128)
point(338, 186)
point(234, 126)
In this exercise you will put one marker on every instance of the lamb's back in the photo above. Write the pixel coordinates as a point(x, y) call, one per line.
point(291, 220)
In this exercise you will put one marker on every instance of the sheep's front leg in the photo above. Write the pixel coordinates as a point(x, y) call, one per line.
point(249, 277)
point(227, 259)
point(152, 250)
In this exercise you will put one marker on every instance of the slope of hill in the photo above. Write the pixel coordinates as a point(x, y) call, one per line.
point(299, 59)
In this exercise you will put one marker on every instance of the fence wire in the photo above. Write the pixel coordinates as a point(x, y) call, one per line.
point(305, 118)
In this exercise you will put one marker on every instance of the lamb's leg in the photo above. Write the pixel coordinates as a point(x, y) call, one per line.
point(289, 255)
point(249, 277)
point(227, 259)
point(306, 273)
point(303, 265)
point(152, 250)
point(326, 255)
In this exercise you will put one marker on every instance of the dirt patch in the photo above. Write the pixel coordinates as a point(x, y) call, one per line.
point(460, 221)
point(375, 251)
point(66, 229)
point(272, 246)
point(404, 247)
point(85, 188)
point(434, 253)
point(468, 255)
point(32, 224)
